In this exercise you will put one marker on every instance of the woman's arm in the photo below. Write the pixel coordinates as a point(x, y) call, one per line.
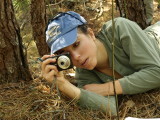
point(144, 57)
point(69, 89)
point(50, 72)
point(105, 89)
point(84, 98)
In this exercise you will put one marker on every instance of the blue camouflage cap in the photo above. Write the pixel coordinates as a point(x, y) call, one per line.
point(62, 30)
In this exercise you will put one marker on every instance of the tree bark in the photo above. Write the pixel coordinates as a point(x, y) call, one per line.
point(134, 10)
point(38, 21)
point(13, 63)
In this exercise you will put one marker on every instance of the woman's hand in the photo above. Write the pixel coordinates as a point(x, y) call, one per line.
point(49, 72)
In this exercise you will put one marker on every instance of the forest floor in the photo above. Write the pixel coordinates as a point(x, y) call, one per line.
point(33, 100)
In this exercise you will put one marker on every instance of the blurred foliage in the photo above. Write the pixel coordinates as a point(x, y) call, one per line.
point(21, 5)
point(22, 11)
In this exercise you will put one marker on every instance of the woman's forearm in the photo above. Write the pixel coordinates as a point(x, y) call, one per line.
point(104, 89)
point(69, 89)
point(118, 88)
point(74, 92)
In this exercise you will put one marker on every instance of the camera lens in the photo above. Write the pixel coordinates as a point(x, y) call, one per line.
point(63, 62)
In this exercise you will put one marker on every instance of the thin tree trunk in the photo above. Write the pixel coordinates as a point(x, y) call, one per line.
point(13, 65)
point(38, 21)
point(134, 10)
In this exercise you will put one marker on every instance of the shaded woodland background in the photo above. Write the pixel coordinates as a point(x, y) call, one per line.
point(24, 95)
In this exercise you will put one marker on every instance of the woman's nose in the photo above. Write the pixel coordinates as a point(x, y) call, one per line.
point(75, 55)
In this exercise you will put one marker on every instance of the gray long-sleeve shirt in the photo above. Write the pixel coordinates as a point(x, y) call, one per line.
point(137, 58)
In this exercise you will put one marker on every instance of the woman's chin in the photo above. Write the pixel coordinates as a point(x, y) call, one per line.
point(90, 68)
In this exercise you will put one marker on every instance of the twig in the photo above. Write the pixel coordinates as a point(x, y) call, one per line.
point(55, 3)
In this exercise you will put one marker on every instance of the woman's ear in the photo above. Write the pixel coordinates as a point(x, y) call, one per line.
point(91, 33)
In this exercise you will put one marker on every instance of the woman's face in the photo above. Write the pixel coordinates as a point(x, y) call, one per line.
point(84, 51)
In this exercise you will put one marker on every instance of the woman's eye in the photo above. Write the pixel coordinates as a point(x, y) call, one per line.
point(59, 52)
point(76, 44)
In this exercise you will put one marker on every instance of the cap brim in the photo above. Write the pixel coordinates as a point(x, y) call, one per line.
point(64, 41)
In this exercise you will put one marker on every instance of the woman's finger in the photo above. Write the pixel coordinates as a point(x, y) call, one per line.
point(47, 56)
point(49, 77)
point(49, 68)
point(47, 62)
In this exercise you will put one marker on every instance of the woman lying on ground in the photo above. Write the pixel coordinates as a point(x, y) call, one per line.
point(137, 59)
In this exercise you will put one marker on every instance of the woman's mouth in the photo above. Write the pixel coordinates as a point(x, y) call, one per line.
point(85, 63)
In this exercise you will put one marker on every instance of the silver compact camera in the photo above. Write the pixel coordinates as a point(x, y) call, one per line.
point(63, 61)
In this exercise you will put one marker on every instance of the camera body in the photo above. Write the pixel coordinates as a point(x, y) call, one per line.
point(63, 61)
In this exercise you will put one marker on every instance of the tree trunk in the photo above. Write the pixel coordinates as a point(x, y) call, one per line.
point(134, 10)
point(13, 65)
point(38, 21)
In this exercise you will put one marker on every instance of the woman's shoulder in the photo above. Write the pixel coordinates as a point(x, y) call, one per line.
point(118, 21)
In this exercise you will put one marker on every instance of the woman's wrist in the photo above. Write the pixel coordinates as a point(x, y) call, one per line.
point(69, 89)
point(110, 88)
point(62, 83)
